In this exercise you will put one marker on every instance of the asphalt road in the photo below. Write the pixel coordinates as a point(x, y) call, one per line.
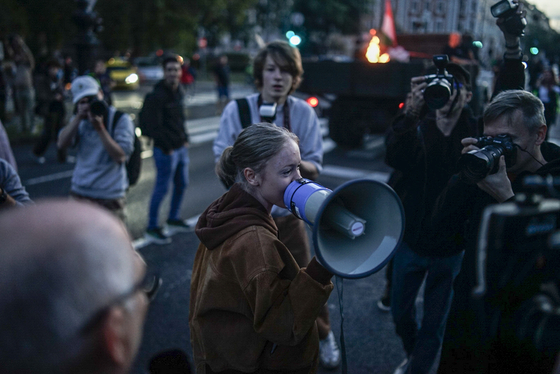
point(371, 344)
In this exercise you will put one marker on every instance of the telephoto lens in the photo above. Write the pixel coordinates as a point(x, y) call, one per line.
point(477, 164)
point(98, 108)
point(437, 93)
point(440, 85)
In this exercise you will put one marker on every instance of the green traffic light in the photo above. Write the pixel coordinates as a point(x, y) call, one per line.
point(295, 40)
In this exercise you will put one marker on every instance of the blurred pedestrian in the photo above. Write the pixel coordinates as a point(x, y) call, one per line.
point(50, 105)
point(103, 142)
point(252, 308)
point(548, 91)
point(163, 119)
point(102, 76)
point(277, 73)
point(23, 81)
point(3, 83)
point(69, 72)
point(221, 76)
point(5, 148)
point(74, 292)
point(188, 77)
point(12, 192)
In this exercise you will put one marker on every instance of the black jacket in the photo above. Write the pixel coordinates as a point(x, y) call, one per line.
point(424, 159)
point(164, 114)
point(455, 225)
point(457, 214)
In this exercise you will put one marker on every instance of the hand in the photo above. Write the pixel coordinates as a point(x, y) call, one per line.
point(83, 111)
point(512, 39)
point(96, 121)
point(469, 145)
point(415, 101)
point(498, 184)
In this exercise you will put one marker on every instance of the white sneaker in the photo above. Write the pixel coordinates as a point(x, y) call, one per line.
point(329, 353)
point(402, 367)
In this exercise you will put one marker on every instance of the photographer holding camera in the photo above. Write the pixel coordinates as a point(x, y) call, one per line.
point(103, 146)
point(424, 146)
point(513, 117)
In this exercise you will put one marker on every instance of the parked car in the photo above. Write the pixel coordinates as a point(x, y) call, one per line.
point(149, 69)
point(123, 73)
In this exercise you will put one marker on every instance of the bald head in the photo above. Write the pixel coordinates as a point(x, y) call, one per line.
point(60, 262)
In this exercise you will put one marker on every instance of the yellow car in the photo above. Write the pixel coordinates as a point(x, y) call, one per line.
point(123, 73)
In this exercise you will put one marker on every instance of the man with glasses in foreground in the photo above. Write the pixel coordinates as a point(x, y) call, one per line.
point(74, 293)
point(102, 147)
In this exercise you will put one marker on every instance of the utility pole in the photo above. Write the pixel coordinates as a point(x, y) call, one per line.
point(86, 42)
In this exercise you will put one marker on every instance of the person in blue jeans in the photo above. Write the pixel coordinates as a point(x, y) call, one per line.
point(163, 119)
point(439, 273)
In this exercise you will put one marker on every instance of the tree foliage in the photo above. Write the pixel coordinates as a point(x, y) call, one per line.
point(324, 16)
point(141, 25)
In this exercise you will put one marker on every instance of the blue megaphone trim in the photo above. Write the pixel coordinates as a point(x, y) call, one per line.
point(296, 195)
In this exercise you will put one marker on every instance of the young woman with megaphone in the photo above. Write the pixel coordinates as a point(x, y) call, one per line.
point(252, 309)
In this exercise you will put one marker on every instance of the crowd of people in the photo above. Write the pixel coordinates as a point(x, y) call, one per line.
point(253, 280)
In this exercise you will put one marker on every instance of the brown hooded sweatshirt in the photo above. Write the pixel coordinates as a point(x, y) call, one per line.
point(252, 309)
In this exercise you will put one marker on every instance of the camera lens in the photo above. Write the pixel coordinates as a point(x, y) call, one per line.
point(437, 94)
point(98, 108)
point(477, 164)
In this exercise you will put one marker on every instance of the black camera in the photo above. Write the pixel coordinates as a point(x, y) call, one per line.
point(440, 85)
point(514, 23)
point(517, 280)
point(477, 164)
point(98, 108)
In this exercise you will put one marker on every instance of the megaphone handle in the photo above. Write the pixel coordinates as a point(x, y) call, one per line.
point(340, 292)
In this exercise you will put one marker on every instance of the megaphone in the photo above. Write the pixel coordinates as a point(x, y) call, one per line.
point(356, 228)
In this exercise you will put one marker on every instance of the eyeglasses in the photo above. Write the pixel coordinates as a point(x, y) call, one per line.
point(149, 284)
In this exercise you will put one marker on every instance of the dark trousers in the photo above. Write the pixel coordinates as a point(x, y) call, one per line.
point(409, 270)
point(54, 121)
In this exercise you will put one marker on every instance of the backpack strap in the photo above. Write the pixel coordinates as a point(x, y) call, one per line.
point(244, 112)
point(116, 118)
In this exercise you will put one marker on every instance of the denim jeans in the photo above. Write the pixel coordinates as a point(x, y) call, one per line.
point(170, 168)
point(409, 269)
point(25, 98)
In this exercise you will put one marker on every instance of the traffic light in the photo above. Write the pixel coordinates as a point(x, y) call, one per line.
point(293, 38)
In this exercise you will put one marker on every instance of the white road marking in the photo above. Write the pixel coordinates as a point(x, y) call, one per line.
point(49, 178)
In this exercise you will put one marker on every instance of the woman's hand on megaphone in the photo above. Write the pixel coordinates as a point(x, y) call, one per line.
point(318, 272)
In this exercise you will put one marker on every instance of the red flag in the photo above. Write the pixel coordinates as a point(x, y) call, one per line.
point(388, 25)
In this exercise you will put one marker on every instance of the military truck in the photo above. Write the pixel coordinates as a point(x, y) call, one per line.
point(367, 95)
